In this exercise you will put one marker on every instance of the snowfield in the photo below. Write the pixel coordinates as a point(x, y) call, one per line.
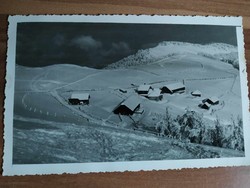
point(47, 129)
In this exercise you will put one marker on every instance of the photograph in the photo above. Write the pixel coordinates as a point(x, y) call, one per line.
point(109, 92)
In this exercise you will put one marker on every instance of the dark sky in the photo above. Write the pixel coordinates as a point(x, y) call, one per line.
point(96, 45)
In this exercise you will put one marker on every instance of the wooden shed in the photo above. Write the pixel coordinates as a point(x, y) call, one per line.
point(205, 105)
point(196, 93)
point(212, 100)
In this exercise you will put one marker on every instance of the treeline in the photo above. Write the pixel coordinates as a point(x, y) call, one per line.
point(191, 127)
point(142, 57)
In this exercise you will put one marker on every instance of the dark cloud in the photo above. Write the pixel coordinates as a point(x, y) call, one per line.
point(59, 40)
point(117, 48)
point(98, 44)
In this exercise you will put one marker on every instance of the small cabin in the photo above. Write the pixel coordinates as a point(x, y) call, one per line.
point(173, 88)
point(79, 98)
point(129, 106)
point(155, 94)
point(211, 100)
point(143, 89)
point(196, 93)
point(205, 105)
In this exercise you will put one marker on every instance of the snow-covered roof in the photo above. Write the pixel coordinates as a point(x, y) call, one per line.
point(80, 96)
point(144, 87)
point(131, 102)
point(207, 104)
point(214, 99)
point(174, 86)
point(156, 92)
point(196, 92)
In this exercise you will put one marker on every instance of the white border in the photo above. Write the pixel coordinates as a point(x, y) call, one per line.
point(10, 169)
point(187, 20)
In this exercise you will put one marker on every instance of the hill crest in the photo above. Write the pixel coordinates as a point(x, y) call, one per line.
point(166, 49)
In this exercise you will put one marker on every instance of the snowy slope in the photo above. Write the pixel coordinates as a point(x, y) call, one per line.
point(220, 51)
point(69, 131)
point(50, 77)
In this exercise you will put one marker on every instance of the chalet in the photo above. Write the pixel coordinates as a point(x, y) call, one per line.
point(144, 89)
point(79, 98)
point(205, 105)
point(173, 88)
point(155, 94)
point(196, 93)
point(129, 106)
point(211, 100)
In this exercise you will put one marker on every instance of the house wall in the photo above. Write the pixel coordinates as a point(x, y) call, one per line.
point(77, 101)
point(179, 89)
point(74, 101)
point(123, 110)
point(166, 90)
point(142, 92)
point(196, 95)
point(156, 98)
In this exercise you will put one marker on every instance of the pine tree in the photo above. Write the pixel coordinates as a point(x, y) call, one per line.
point(217, 134)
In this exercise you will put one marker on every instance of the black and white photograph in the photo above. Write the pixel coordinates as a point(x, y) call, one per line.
point(91, 92)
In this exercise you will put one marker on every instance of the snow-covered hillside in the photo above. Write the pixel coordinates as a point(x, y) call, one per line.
point(223, 52)
point(42, 113)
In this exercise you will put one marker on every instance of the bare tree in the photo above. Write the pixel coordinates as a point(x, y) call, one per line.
point(164, 123)
point(168, 121)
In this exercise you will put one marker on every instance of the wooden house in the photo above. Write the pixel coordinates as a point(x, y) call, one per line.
point(173, 88)
point(143, 89)
point(128, 107)
point(196, 93)
point(79, 98)
point(205, 105)
point(155, 94)
point(212, 100)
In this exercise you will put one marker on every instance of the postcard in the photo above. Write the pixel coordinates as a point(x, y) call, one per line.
point(121, 93)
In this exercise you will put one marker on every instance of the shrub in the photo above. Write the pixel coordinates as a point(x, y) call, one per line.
point(191, 126)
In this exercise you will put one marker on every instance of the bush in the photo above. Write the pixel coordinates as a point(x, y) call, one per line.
point(191, 126)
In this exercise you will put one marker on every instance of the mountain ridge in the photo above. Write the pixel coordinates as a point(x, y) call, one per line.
point(220, 51)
